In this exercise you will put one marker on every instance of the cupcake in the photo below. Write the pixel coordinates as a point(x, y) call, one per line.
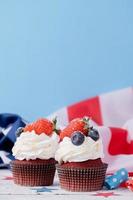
point(34, 153)
point(80, 167)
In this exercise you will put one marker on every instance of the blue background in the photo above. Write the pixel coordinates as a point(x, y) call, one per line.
point(54, 53)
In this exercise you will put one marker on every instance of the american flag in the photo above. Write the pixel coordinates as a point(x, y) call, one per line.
point(9, 123)
point(112, 114)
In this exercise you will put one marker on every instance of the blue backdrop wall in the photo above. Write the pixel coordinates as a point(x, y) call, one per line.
point(57, 52)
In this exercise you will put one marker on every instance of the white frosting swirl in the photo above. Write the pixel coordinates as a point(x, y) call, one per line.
point(89, 150)
point(31, 146)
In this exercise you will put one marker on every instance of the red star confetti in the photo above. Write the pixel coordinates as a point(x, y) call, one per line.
point(105, 194)
point(129, 184)
point(8, 178)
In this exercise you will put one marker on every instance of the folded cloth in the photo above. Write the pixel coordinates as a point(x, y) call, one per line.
point(112, 115)
point(113, 181)
point(9, 123)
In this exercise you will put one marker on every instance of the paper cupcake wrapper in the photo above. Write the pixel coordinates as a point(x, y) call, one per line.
point(82, 179)
point(33, 174)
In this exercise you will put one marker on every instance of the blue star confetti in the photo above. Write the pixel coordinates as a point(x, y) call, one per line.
point(44, 189)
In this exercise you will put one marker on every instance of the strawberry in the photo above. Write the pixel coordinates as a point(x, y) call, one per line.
point(42, 126)
point(29, 127)
point(78, 124)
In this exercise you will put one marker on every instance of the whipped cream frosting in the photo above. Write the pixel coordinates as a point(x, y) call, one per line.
point(89, 150)
point(31, 146)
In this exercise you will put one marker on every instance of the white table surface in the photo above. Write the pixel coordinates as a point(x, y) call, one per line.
point(10, 191)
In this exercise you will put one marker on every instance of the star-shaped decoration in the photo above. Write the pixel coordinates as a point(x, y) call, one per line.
point(7, 178)
point(44, 189)
point(105, 194)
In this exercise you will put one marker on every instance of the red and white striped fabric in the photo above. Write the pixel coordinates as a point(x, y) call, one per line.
point(112, 113)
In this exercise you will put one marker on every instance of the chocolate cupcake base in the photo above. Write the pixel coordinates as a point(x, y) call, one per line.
point(34, 172)
point(82, 179)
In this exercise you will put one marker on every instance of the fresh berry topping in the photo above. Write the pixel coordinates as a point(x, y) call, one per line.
point(19, 131)
point(93, 133)
point(42, 126)
point(77, 138)
point(29, 127)
point(78, 124)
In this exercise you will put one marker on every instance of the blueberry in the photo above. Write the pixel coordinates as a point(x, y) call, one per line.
point(77, 138)
point(93, 133)
point(19, 131)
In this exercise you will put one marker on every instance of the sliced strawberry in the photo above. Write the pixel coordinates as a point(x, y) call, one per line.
point(29, 127)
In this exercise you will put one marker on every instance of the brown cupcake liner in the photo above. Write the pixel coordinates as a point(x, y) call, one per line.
point(82, 179)
point(33, 174)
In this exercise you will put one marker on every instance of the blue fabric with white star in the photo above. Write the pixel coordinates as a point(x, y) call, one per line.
point(113, 181)
point(9, 123)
